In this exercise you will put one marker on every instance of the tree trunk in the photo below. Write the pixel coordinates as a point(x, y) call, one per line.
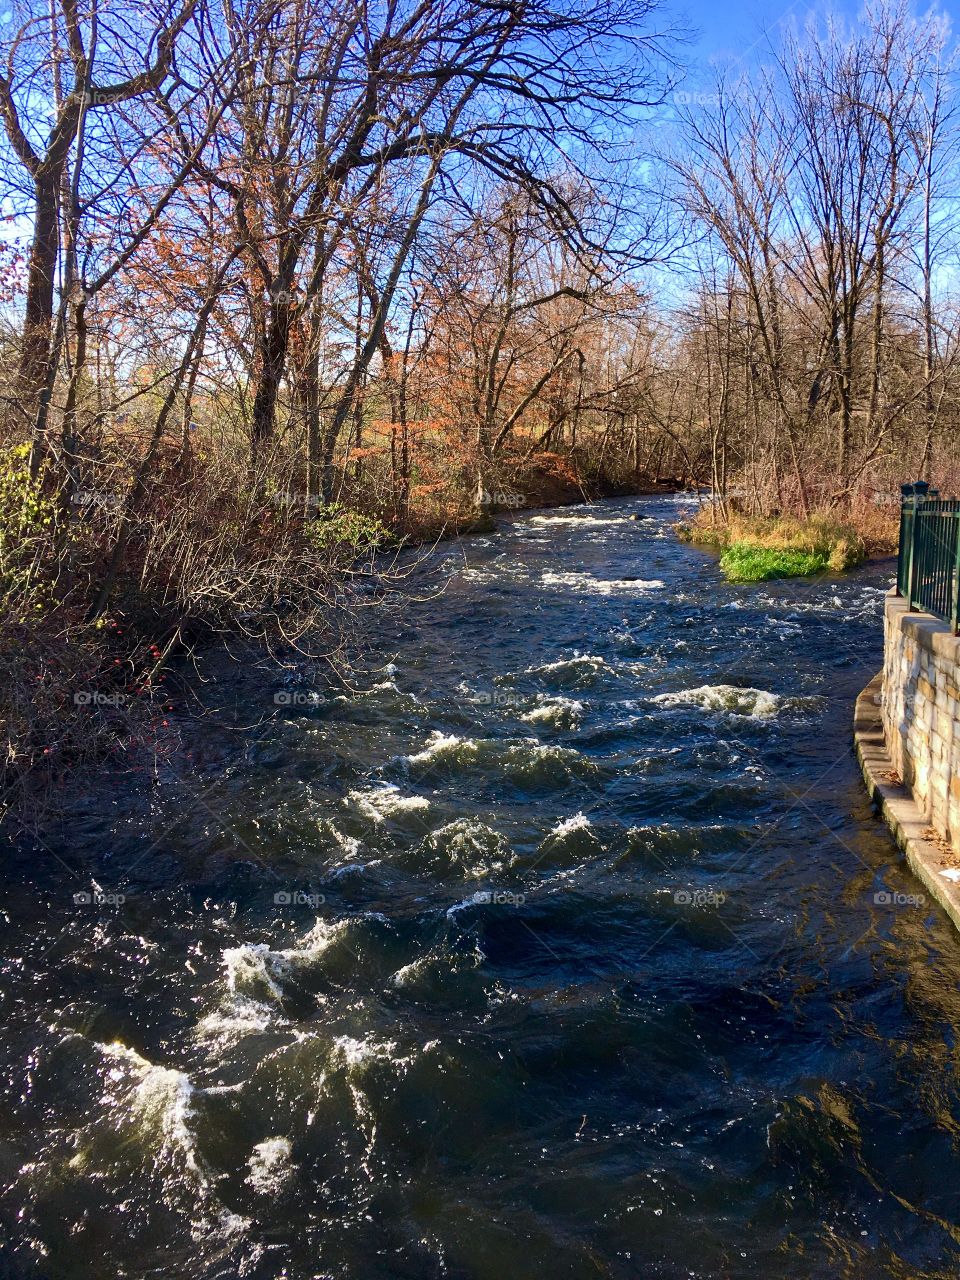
point(277, 344)
point(38, 316)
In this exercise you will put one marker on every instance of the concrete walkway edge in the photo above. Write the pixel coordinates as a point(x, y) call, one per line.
point(897, 805)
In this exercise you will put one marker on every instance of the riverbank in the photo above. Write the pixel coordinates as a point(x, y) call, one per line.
point(762, 548)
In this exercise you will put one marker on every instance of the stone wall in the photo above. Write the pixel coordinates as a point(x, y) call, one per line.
point(921, 711)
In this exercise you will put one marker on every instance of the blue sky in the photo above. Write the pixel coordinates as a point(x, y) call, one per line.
point(736, 31)
point(730, 30)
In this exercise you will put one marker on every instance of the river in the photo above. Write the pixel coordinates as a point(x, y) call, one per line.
point(566, 946)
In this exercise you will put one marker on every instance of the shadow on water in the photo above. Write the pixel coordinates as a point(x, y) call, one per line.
point(568, 946)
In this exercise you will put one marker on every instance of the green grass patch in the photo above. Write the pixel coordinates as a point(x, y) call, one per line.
point(746, 562)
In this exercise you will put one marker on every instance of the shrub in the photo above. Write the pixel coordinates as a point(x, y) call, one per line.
point(337, 529)
point(27, 530)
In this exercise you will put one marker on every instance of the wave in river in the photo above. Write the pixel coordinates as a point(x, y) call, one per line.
point(444, 746)
point(590, 585)
point(466, 845)
point(758, 704)
point(585, 519)
point(524, 761)
point(159, 1102)
point(579, 671)
point(573, 835)
point(256, 970)
point(555, 711)
point(385, 801)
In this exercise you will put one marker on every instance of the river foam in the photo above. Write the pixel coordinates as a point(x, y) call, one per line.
point(757, 704)
point(160, 1101)
point(444, 746)
point(585, 520)
point(590, 585)
point(556, 711)
point(378, 803)
point(270, 1167)
point(467, 845)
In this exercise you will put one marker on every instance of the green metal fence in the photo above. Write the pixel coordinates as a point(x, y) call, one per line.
point(928, 564)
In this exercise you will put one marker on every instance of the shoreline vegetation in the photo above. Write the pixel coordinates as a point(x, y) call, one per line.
point(762, 548)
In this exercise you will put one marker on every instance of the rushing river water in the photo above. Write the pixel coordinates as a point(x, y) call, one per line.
point(567, 947)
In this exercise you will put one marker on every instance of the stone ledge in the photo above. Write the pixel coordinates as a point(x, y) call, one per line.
point(896, 804)
point(934, 636)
